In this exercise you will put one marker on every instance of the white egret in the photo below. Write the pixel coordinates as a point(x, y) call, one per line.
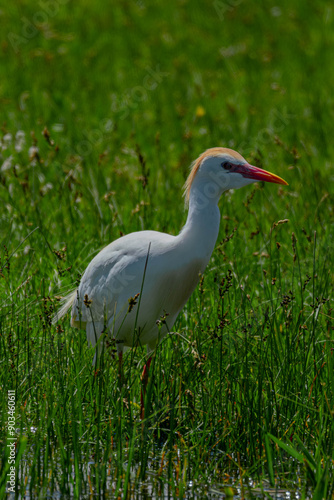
point(147, 275)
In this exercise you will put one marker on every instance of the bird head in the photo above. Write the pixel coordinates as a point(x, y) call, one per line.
point(219, 169)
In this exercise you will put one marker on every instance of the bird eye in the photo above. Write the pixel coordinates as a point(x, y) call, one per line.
point(226, 165)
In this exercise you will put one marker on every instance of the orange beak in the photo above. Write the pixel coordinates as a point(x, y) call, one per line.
point(258, 174)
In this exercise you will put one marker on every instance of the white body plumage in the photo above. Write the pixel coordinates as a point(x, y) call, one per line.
point(163, 269)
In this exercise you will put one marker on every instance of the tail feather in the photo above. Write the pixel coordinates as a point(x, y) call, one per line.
point(67, 304)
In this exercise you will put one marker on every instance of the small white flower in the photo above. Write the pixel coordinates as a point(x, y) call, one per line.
point(33, 152)
point(47, 187)
point(8, 138)
point(7, 164)
point(19, 140)
point(6, 141)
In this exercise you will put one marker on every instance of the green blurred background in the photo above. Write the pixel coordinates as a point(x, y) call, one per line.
point(103, 106)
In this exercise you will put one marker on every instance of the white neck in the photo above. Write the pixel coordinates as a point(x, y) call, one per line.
point(201, 229)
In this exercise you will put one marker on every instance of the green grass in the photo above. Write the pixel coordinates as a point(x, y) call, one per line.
point(103, 108)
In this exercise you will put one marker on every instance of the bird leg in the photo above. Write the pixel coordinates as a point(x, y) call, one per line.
point(144, 380)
